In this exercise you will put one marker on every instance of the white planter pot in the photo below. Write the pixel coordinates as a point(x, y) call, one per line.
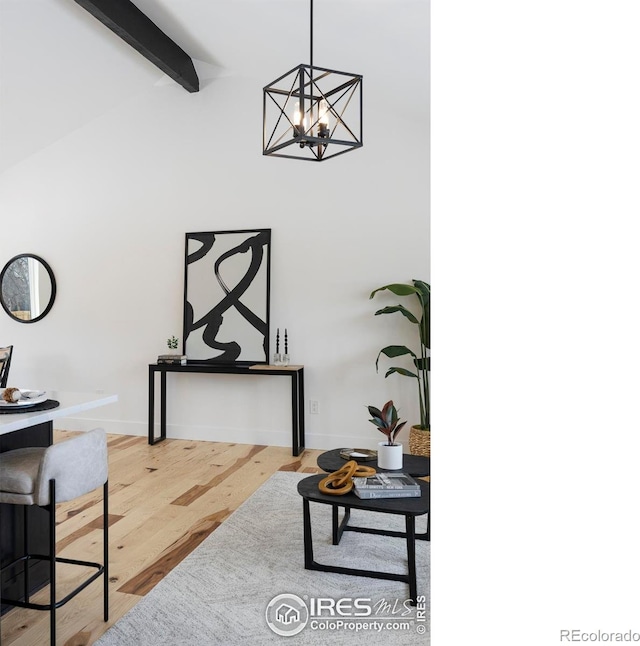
point(389, 457)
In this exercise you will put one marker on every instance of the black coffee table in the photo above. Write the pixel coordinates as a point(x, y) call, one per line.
point(330, 461)
point(407, 507)
point(414, 465)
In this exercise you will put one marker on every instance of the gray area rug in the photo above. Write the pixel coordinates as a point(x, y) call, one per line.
point(219, 594)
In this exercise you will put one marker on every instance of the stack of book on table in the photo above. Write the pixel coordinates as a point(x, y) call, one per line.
point(387, 485)
point(177, 359)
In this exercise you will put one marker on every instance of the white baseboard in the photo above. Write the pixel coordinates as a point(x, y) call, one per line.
point(266, 437)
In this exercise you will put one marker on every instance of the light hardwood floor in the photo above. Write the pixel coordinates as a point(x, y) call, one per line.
point(164, 500)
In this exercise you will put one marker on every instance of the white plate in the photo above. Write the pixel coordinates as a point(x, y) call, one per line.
point(22, 403)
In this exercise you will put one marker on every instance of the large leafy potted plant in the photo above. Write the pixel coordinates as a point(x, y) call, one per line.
point(420, 437)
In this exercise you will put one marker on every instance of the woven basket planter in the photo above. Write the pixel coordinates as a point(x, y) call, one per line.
point(420, 442)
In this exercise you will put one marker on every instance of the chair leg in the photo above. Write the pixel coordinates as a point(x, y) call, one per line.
point(25, 547)
point(105, 523)
point(52, 561)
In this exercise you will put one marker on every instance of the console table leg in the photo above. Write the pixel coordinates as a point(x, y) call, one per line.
point(152, 405)
point(295, 446)
point(301, 439)
point(163, 405)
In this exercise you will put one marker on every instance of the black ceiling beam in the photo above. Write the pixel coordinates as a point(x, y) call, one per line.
point(135, 28)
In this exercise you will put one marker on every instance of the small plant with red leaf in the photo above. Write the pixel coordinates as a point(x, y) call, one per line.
point(386, 421)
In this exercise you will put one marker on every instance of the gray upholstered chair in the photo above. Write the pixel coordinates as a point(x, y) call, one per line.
point(45, 476)
point(5, 364)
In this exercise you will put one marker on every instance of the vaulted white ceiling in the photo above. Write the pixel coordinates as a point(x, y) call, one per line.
point(60, 67)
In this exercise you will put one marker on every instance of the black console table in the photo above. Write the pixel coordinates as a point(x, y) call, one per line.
point(296, 373)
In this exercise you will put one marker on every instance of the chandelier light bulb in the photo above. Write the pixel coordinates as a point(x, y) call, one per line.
point(297, 116)
point(299, 122)
point(323, 119)
point(323, 114)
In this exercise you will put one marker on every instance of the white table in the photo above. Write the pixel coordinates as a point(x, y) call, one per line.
point(71, 403)
point(24, 429)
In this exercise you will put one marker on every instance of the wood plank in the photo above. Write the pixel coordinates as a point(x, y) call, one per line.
point(79, 639)
point(191, 494)
point(137, 29)
point(92, 525)
point(195, 492)
point(292, 466)
point(125, 441)
point(147, 579)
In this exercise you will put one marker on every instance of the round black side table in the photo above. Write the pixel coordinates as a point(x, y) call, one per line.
point(414, 465)
point(410, 508)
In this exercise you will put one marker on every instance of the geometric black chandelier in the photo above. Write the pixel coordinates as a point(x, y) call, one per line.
point(312, 113)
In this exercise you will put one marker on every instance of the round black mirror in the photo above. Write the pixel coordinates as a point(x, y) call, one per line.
point(27, 288)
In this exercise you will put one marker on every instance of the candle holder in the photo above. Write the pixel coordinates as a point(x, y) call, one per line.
point(277, 357)
point(281, 358)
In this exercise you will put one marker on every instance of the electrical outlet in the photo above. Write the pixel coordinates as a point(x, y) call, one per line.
point(313, 407)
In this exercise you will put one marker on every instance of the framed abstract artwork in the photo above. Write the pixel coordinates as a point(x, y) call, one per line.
point(226, 296)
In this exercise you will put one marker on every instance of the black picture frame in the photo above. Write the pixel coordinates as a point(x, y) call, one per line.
point(227, 288)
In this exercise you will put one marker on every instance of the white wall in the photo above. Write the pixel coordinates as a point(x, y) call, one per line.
point(107, 207)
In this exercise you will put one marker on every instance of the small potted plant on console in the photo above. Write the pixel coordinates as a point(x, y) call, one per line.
point(173, 356)
point(387, 422)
